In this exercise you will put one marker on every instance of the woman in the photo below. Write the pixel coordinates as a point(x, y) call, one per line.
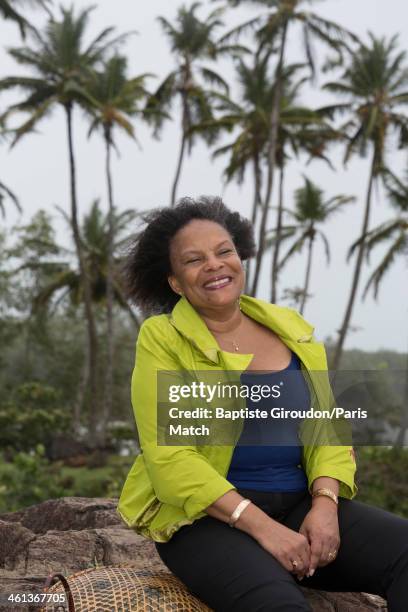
point(291, 508)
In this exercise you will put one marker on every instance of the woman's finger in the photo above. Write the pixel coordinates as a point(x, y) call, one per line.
point(316, 554)
point(298, 563)
point(329, 552)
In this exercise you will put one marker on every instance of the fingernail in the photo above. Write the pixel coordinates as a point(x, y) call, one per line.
point(310, 574)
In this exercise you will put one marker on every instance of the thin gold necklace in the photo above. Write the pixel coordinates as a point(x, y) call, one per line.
point(234, 344)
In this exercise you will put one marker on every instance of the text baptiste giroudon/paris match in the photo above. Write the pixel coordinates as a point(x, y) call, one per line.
point(211, 392)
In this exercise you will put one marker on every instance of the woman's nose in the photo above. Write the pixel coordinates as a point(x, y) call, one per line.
point(213, 263)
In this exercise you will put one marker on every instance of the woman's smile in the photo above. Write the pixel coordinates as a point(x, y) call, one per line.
point(219, 282)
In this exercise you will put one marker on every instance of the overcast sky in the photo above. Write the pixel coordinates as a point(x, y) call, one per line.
point(37, 168)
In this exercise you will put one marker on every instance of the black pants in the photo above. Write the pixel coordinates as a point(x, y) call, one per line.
point(229, 571)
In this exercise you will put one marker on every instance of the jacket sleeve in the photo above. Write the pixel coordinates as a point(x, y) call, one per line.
point(328, 449)
point(180, 475)
point(334, 461)
point(334, 456)
point(327, 445)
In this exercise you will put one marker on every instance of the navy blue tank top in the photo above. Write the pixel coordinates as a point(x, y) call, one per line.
point(276, 466)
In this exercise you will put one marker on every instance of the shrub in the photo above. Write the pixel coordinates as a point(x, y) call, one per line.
point(382, 477)
point(28, 479)
point(30, 417)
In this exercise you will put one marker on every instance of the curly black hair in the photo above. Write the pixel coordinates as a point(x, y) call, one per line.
point(147, 263)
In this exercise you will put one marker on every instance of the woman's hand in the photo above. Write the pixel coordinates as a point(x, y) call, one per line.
point(286, 545)
point(321, 529)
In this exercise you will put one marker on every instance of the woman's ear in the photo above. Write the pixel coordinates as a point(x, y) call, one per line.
point(174, 285)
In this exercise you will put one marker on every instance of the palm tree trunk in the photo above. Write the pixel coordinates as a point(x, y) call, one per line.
point(108, 398)
point(257, 191)
point(275, 258)
point(91, 327)
point(404, 417)
point(28, 372)
point(180, 161)
point(308, 269)
point(357, 270)
point(255, 206)
point(273, 142)
point(81, 391)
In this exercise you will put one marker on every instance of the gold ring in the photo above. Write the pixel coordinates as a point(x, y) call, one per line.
point(332, 554)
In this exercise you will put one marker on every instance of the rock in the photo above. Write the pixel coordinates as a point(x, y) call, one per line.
point(71, 534)
point(67, 514)
point(14, 541)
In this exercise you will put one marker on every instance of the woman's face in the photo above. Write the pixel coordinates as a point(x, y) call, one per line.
point(206, 266)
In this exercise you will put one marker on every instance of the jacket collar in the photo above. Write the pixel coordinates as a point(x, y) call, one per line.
point(283, 321)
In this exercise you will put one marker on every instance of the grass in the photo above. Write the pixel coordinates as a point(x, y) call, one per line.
point(104, 481)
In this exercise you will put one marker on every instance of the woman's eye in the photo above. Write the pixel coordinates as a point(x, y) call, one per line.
point(196, 259)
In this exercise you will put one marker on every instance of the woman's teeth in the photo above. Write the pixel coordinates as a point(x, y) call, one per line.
point(218, 284)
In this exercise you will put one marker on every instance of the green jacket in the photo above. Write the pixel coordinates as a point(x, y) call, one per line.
point(170, 486)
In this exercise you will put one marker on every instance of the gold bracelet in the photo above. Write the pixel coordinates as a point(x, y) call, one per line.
point(327, 493)
point(237, 512)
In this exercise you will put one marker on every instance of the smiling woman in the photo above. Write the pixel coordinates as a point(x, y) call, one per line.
point(206, 268)
point(291, 505)
point(197, 251)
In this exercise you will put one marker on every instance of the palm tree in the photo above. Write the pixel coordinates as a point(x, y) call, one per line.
point(272, 32)
point(252, 115)
point(373, 85)
point(63, 65)
point(311, 210)
point(396, 231)
point(116, 100)
point(65, 282)
point(249, 116)
point(9, 10)
point(192, 40)
point(301, 129)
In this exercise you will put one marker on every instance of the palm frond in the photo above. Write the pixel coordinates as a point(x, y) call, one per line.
point(160, 102)
point(336, 34)
point(65, 279)
point(243, 28)
point(232, 51)
point(335, 203)
point(376, 236)
point(39, 113)
point(326, 245)
point(399, 246)
point(296, 247)
point(10, 12)
point(6, 190)
point(396, 189)
point(214, 79)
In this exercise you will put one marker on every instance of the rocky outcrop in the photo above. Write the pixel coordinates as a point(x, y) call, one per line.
point(70, 534)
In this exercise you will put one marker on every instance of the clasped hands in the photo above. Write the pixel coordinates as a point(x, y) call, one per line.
point(320, 527)
point(315, 544)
